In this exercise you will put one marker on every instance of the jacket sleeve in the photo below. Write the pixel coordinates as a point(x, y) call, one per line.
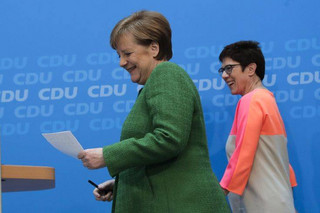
point(171, 103)
point(246, 128)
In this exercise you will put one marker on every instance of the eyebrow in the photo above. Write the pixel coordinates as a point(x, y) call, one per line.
point(125, 50)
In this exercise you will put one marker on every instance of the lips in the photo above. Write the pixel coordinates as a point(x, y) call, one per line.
point(131, 69)
point(230, 83)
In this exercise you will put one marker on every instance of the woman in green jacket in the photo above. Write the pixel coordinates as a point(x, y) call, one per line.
point(161, 163)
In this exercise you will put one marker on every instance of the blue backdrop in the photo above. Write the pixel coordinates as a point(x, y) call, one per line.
point(57, 72)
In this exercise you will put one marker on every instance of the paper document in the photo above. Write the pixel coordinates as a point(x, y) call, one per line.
point(64, 142)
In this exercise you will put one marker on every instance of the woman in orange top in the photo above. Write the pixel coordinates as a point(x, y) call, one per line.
point(258, 177)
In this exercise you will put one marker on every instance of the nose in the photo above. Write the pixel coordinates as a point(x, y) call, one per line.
point(122, 62)
point(224, 75)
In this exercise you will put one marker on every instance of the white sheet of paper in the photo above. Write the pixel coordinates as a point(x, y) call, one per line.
point(64, 142)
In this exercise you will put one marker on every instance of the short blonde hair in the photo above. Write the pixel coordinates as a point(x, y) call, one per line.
point(146, 27)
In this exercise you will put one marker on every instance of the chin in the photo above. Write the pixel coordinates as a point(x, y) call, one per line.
point(135, 80)
point(234, 92)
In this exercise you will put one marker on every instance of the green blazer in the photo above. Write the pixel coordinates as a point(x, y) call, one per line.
point(162, 163)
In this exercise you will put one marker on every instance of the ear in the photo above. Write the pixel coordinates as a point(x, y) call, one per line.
point(252, 69)
point(154, 47)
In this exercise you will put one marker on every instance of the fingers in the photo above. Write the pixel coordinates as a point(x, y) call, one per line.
point(107, 197)
point(92, 158)
point(96, 193)
point(104, 185)
point(81, 154)
point(86, 162)
point(107, 184)
point(84, 156)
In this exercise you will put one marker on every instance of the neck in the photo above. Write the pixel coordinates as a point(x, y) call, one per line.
point(255, 84)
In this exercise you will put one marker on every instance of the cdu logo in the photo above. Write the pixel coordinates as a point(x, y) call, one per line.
point(32, 78)
point(83, 108)
point(297, 78)
point(97, 91)
point(81, 75)
point(46, 94)
point(13, 95)
point(33, 111)
point(13, 63)
point(56, 61)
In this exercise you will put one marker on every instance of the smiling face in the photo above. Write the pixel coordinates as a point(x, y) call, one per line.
point(239, 80)
point(137, 59)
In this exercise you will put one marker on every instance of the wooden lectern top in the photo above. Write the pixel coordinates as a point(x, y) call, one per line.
point(26, 178)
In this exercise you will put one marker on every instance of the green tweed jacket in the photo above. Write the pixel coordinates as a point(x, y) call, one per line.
point(161, 163)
